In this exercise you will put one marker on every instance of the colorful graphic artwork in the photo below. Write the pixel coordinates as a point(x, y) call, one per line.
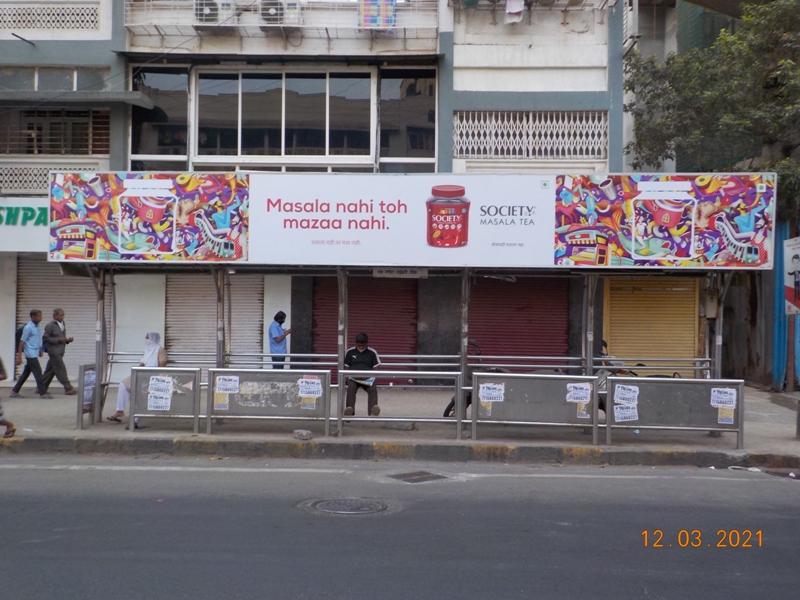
point(698, 221)
point(791, 275)
point(148, 216)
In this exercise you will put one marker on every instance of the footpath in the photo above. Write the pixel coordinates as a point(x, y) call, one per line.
point(49, 426)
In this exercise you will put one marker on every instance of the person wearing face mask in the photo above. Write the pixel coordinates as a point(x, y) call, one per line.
point(277, 340)
point(154, 356)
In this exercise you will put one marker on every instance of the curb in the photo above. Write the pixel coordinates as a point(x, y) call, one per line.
point(463, 452)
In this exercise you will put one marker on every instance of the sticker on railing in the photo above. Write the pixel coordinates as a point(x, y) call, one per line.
point(579, 392)
point(583, 410)
point(228, 384)
point(492, 392)
point(625, 412)
point(725, 415)
point(161, 386)
point(723, 397)
point(159, 401)
point(626, 394)
point(221, 401)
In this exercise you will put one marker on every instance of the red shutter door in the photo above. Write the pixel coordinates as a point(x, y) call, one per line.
point(527, 317)
point(384, 309)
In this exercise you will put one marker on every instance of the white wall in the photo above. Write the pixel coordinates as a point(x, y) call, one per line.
point(543, 56)
point(8, 312)
point(277, 296)
point(141, 308)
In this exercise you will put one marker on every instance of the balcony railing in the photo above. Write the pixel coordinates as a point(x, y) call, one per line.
point(29, 175)
point(411, 19)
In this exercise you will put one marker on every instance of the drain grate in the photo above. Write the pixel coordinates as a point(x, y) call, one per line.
point(349, 506)
point(417, 477)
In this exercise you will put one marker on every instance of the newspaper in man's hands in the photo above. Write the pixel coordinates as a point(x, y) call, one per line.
point(368, 381)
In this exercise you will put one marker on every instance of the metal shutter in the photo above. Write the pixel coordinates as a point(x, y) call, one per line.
point(526, 317)
point(191, 318)
point(652, 317)
point(385, 309)
point(246, 304)
point(41, 285)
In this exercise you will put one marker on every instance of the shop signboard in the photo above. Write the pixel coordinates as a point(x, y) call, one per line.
point(24, 226)
point(635, 221)
point(791, 275)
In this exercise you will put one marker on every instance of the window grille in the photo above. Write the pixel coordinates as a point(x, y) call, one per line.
point(531, 135)
point(53, 16)
point(50, 131)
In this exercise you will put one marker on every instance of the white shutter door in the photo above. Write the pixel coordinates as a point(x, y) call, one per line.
point(191, 320)
point(40, 285)
point(246, 306)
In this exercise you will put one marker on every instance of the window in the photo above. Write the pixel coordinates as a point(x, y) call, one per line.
point(53, 79)
point(55, 131)
point(161, 130)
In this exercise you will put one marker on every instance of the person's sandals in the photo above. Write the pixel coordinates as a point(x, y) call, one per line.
point(45, 396)
point(71, 392)
point(114, 419)
point(15, 395)
point(10, 433)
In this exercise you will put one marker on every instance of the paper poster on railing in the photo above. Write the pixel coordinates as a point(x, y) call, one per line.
point(626, 394)
point(228, 384)
point(160, 385)
point(626, 412)
point(723, 397)
point(725, 415)
point(492, 392)
point(310, 388)
point(157, 401)
point(579, 392)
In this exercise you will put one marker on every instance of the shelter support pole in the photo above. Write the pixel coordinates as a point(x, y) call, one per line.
point(464, 358)
point(725, 283)
point(98, 278)
point(587, 341)
point(341, 343)
point(219, 284)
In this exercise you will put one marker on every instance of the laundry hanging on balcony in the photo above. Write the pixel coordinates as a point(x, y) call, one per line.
point(514, 10)
point(377, 14)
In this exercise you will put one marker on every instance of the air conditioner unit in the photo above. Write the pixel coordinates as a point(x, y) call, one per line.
point(215, 12)
point(288, 13)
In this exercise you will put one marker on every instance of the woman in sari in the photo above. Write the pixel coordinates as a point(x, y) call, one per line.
point(154, 356)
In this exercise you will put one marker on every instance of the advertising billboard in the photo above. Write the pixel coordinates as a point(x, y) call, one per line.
point(634, 221)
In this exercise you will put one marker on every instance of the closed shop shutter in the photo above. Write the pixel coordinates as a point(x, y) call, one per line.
point(40, 285)
point(525, 317)
point(652, 317)
point(246, 305)
point(385, 309)
point(191, 319)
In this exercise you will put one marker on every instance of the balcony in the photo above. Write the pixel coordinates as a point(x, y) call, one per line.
point(291, 20)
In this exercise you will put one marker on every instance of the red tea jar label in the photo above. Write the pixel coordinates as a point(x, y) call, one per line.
point(448, 217)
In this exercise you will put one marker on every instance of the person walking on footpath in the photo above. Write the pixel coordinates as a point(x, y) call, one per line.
point(55, 342)
point(277, 340)
point(361, 358)
point(30, 346)
point(9, 425)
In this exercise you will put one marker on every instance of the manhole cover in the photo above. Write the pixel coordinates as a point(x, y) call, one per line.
point(417, 477)
point(349, 506)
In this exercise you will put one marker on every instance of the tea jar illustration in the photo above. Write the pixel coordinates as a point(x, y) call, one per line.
point(143, 205)
point(664, 221)
point(448, 216)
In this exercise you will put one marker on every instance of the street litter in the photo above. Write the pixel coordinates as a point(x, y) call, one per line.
point(751, 469)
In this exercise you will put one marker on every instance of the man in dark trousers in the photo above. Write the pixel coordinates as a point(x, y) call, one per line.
point(30, 347)
point(361, 358)
point(55, 341)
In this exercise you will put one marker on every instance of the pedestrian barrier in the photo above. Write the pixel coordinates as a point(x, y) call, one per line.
point(456, 377)
point(277, 394)
point(87, 381)
point(678, 404)
point(165, 392)
point(529, 399)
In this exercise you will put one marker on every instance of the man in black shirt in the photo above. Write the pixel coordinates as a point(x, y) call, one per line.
point(361, 358)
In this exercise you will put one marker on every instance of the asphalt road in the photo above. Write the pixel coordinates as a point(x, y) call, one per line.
point(95, 528)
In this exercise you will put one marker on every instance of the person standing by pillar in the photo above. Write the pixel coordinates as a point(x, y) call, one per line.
point(55, 341)
point(277, 340)
point(30, 346)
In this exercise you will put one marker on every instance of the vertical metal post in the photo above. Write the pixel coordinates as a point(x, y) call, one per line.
point(726, 281)
point(590, 290)
point(98, 278)
point(740, 433)
point(464, 363)
point(341, 339)
point(219, 283)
